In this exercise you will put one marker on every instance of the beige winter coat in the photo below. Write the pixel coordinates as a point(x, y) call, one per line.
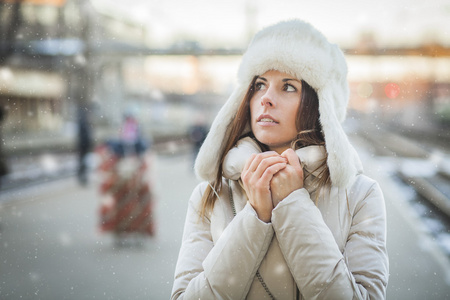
point(335, 250)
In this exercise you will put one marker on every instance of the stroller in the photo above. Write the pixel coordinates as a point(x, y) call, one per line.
point(126, 209)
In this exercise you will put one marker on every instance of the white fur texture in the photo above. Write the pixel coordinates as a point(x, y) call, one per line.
point(311, 157)
point(296, 48)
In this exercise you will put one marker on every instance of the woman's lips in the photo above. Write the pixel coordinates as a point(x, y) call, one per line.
point(267, 120)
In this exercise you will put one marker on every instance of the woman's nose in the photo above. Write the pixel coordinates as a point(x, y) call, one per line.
point(267, 99)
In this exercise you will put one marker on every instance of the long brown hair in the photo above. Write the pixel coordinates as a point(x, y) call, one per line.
point(308, 127)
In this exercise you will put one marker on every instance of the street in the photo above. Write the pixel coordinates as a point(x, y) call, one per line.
point(51, 247)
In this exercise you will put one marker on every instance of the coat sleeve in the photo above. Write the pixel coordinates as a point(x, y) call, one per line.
point(226, 269)
point(319, 268)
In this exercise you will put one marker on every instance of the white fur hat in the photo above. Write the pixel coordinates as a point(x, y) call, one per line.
point(296, 48)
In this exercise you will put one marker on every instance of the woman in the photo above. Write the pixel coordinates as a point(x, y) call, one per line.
point(285, 211)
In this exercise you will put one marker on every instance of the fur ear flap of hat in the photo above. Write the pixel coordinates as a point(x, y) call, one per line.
point(296, 48)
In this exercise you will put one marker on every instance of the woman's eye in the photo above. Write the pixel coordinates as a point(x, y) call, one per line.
point(260, 86)
point(289, 88)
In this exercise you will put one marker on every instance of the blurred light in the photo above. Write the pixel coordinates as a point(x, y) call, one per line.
point(392, 90)
point(6, 75)
point(365, 90)
point(80, 59)
point(43, 2)
point(157, 95)
point(49, 163)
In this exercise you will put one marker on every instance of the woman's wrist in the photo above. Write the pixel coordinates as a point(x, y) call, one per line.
point(266, 218)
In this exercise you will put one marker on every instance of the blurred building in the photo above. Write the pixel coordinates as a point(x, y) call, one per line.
point(405, 87)
point(57, 56)
point(60, 56)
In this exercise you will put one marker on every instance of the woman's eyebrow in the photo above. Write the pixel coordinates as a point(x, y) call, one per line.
point(262, 78)
point(289, 79)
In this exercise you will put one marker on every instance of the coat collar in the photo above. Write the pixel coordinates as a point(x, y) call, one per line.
point(311, 159)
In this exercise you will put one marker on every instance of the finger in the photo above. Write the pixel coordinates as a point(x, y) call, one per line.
point(249, 162)
point(291, 157)
point(250, 166)
point(268, 162)
point(257, 158)
point(269, 172)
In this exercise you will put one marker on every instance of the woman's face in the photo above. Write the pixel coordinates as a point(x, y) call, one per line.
point(273, 109)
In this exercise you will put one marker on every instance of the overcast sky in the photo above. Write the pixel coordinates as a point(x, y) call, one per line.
point(228, 22)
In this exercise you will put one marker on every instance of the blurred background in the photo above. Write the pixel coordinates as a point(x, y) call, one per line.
point(71, 70)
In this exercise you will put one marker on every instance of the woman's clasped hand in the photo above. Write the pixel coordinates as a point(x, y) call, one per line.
point(270, 177)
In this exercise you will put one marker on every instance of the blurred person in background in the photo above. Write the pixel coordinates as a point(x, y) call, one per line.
point(3, 163)
point(126, 207)
point(132, 142)
point(284, 211)
point(198, 134)
point(84, 143)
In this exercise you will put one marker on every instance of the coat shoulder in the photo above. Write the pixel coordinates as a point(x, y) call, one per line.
point(365, 189)
point(196, 199)
point(197, 195)
point(363, 184)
